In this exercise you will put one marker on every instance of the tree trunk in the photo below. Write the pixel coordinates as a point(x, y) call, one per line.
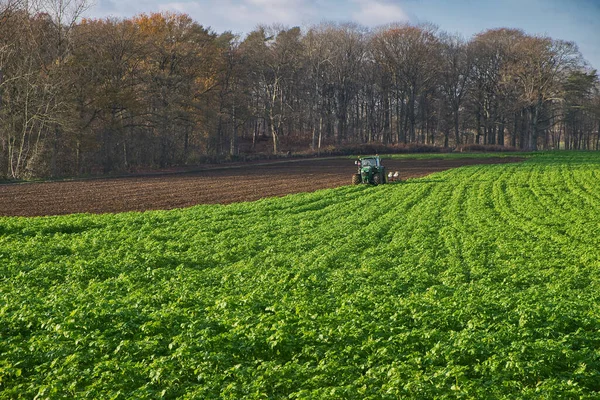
point(386, 118)
point(501, 132)
point(234, 134)
point(273, 130)
point(219, 135)
point(523, 129)
point(534, 126)
point(446, 136)
point(186, 143)
point(412, 117)
point(320, 133)
point(513, 138)
point(588, 137)
point(598, 136)
point(456, 126)
point(55, 149)
point(398, 119)
point(125, 160)
point(402, 120)
point(78, 157)
point(478, 119)
point(405, 132)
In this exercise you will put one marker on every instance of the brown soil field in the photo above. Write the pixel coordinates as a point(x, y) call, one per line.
point(227, 184)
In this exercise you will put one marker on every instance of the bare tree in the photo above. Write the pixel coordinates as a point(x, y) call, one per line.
point(317, 54)
point(412, 56)
point(542, 64)
point(272, 55)
point(455, 74)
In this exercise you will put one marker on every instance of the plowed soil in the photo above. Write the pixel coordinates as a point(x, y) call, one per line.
point(223, 185)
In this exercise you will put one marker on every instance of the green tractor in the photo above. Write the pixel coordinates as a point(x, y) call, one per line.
point(370, 170)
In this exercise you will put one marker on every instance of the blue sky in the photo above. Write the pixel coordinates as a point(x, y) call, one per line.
point(574, 20)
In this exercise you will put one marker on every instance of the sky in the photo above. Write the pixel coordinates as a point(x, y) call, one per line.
point(572, 20)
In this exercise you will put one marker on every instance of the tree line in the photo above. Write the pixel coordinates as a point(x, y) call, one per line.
point(87, 96)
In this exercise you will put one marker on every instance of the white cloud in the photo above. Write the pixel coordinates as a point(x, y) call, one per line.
point(106, 5)
point(373, 13)
point(243, 15)
point(174, 7)
point(122, 9)
point(287, 12)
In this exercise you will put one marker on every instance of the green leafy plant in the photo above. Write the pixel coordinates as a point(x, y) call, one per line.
point(478, 282)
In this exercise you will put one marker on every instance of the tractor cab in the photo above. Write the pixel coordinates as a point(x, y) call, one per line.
point(369, 162)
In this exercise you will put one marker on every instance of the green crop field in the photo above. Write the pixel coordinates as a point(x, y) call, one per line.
point(478, 282)
point(452, 156)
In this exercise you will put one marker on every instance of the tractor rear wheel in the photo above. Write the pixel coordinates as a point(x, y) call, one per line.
point(377, 179)
point(356, 179)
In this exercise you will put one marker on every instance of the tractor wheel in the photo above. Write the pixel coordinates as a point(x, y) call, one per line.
point(356, 179)
point(377, 179)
